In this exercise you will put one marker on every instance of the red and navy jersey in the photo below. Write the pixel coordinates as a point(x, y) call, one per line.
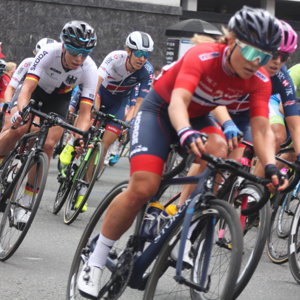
point(202, 71)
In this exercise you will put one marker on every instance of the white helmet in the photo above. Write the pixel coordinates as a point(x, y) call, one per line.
point(139, 40)
point(42, 43)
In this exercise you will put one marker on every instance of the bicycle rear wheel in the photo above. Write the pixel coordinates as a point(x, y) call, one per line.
point(87, 242)
point(294, 246)
point(12, 233)
point(87, 169)
point(221, 257)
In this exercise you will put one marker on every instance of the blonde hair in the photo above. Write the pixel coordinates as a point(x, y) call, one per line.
point(10, 67)
point(200, 38)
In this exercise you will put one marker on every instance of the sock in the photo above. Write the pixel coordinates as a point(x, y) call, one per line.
point(100, 254)
point(83, 190)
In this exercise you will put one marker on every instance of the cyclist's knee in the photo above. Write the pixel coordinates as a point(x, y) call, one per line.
point(216, 145)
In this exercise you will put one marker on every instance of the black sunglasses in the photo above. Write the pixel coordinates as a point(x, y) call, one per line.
point(284, 56)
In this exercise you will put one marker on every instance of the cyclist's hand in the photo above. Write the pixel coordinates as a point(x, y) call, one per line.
point(16, 120)
point(279, 180)
point(191, 140)
point(231, 132)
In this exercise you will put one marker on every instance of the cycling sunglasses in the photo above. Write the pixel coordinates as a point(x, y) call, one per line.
point(252, 53)
point(140, 53)
point(77, 51)
point(284, 56)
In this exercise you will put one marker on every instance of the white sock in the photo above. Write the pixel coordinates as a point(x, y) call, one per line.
point(83, 190)
point(100, 253)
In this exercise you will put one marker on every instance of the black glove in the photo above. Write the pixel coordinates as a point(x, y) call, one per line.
point(271, 170)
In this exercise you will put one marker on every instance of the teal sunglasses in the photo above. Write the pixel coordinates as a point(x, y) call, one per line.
point(251, 53)
point(140, 53)
point(77, 51)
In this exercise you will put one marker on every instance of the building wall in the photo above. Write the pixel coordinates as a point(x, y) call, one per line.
point(24, 22)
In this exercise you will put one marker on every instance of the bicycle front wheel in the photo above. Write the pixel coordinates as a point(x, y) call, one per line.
point(12, 231)
point(281, 219)
point(294, 245)
point(84, 178)
point(216, 250)
point(87, 244)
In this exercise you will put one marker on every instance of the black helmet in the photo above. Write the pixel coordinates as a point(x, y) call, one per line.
point(79, 34)
point(257, 27)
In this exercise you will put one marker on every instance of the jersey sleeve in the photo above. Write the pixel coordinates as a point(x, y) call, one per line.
point(146, 81)
point(20, 72)
point(190, 71)
point(295, 75)
point(39, 65)
point(88, 85)
point(259, 96)
point(106, 65)
point(287, 93)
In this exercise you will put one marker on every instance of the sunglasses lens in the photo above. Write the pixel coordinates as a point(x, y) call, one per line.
point(250, 53)
point(75, 52)
point(140, 53)
point(283, 56)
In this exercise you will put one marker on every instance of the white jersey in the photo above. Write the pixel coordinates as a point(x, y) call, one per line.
point(119, 80)
point(47, 69)
point(20, 72)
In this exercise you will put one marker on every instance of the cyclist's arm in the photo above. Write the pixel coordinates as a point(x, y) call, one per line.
point(8, 94)
point(293, 123)
point(27, 89)
point(221, 114)
point(97, 97)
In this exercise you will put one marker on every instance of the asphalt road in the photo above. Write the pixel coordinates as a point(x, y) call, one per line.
point(39, 269)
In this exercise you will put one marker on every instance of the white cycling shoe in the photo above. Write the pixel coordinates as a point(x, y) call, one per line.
point(89, 280)
point(186, 254)
point(21, 216)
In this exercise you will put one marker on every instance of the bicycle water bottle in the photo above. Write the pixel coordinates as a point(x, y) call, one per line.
point(149, 229)
point(165, 216)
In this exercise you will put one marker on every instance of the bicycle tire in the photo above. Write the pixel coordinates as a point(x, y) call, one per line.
point(281, 220)
point(71, 212)
point(62, 194)
point(255, 229)
point(11, 236)
point(219, 209)
point(294, 246)
point(92, 229)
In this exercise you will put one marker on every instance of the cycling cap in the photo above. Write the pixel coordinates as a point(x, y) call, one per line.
point(79, 34)
point(139, 40)
point(257, 27)
point(289, 38)
point(41, 43)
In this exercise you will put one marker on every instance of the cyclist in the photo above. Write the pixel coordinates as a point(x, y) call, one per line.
point(2, 68)
point(235, 117)
point(56, 69)
point(207, 75)
point(13, 89)
point(119, 73)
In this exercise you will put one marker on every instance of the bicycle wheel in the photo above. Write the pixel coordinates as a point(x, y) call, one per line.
point(294, 245)
point(90, 169)
point(255, 228)
point(87, 242)
point(63, 190)
point(11, 232)
point(220, 257)
point(281, 219)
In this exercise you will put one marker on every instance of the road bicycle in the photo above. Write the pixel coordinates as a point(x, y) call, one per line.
point(27, 157)
point(147, 264)
point(83, 172)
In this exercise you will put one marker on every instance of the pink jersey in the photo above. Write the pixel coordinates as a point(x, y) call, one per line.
point(202, 71)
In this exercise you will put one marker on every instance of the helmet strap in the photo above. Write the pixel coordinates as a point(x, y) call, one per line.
point(129, 60)
point(229, 60)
